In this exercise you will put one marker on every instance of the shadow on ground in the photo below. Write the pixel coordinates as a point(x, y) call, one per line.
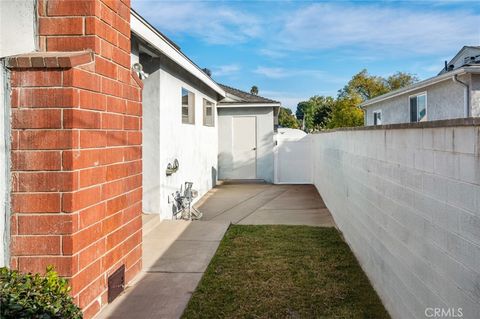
point(177, 253)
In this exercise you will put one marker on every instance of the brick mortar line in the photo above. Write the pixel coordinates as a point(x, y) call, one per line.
point(104, 273)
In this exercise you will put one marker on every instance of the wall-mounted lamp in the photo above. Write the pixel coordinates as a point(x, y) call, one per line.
point(172, 167)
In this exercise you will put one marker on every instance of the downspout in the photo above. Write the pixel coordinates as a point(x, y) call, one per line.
point(466, 94)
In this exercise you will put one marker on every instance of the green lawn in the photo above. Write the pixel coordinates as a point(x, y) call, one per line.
point(284, 272)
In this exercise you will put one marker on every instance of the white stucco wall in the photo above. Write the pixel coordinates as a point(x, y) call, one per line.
point(475, 95)
point(17, 27)
point(3, 168)
point(408, 203)
point(166, 139)
point(265, 141)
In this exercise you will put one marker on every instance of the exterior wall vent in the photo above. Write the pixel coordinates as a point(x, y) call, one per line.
point(116, 283)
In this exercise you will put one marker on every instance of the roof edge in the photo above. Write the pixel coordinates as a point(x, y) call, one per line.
point(151, 35)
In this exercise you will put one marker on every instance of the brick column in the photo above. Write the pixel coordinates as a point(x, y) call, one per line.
point(76, 149)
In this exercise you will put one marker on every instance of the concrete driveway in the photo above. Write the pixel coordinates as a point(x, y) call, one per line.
point(260, 203)
point(177, 253)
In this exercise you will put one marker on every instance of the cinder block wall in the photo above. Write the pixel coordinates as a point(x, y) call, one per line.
point(76, 149)
point(408, 204)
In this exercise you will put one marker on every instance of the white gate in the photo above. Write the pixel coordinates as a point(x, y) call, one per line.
point(293, 157)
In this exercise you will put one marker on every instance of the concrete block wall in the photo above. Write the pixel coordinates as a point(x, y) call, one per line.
point(76, 149)
point(408, 203)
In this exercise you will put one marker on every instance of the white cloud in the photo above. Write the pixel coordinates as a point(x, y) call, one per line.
point(380, 29)
point(225, 70)
point(214, 23)
point(278, 73)
point(272, 53)
point(274, 73)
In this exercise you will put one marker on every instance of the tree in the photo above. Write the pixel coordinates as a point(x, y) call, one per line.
point(400, 80)
point(345, 113)
point(326, 112)
point(366, 86)
point(315, 112)
point(287, 119)
point(363, 86)
point(254, 90)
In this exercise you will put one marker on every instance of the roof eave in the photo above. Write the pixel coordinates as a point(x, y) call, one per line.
point(247, 104)
point(148, 33)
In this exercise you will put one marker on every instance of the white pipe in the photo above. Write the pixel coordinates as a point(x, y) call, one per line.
point(466, 95)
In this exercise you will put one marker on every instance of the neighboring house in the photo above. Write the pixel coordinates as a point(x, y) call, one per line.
point(453, 93)
point(246, 128)
point(179, 119)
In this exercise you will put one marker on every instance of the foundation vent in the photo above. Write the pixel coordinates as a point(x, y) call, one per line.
point(116, 283)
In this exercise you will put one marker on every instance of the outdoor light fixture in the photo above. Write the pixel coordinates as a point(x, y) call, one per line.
point(137, 67)
point(172, 168)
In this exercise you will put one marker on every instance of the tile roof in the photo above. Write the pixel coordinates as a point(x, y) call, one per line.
point(244, 97)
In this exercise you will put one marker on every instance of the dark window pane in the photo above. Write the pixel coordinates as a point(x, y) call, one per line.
point(413, 109)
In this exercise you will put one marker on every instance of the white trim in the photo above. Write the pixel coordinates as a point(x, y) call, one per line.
point(204, 112)
point(426, 105)
point(145, 31)
point(422, 84)
point(221, 105)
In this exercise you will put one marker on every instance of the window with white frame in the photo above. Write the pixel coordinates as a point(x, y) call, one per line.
point(208, 113)
point(188, 107)
point(377, 117)
point(418, 107)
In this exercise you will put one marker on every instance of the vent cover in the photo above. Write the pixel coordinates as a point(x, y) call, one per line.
point(116, 283)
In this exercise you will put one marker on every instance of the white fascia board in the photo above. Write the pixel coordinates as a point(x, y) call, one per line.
point(422, 84)
point(145, 31)
point(220, 105)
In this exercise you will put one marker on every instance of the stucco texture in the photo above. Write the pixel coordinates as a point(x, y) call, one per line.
point(195, 146)
point(264, 116)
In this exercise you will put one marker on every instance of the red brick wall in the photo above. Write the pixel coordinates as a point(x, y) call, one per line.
point(76, 149)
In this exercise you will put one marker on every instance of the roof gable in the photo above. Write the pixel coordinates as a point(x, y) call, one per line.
point(234, 95)
point(459, 59)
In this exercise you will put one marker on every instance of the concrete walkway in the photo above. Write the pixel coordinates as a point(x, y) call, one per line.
point(175, 256)
point(256, 204)
point(177, 253)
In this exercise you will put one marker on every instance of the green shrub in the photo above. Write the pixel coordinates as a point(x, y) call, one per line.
point(35, 296)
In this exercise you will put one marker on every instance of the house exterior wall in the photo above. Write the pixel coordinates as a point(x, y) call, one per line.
point(475, 95)
point(151, 139)
point(195, 146)
point(76, 149)
point(445, 100)
point(18, 24)
point(407, 203)
point(265, 142)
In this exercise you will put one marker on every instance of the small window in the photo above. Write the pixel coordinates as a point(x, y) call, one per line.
point(377, 117)
point(418, 108)
point(188, 107)
point(208, 113)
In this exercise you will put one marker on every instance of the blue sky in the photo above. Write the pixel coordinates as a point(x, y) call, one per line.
point(296, 49)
